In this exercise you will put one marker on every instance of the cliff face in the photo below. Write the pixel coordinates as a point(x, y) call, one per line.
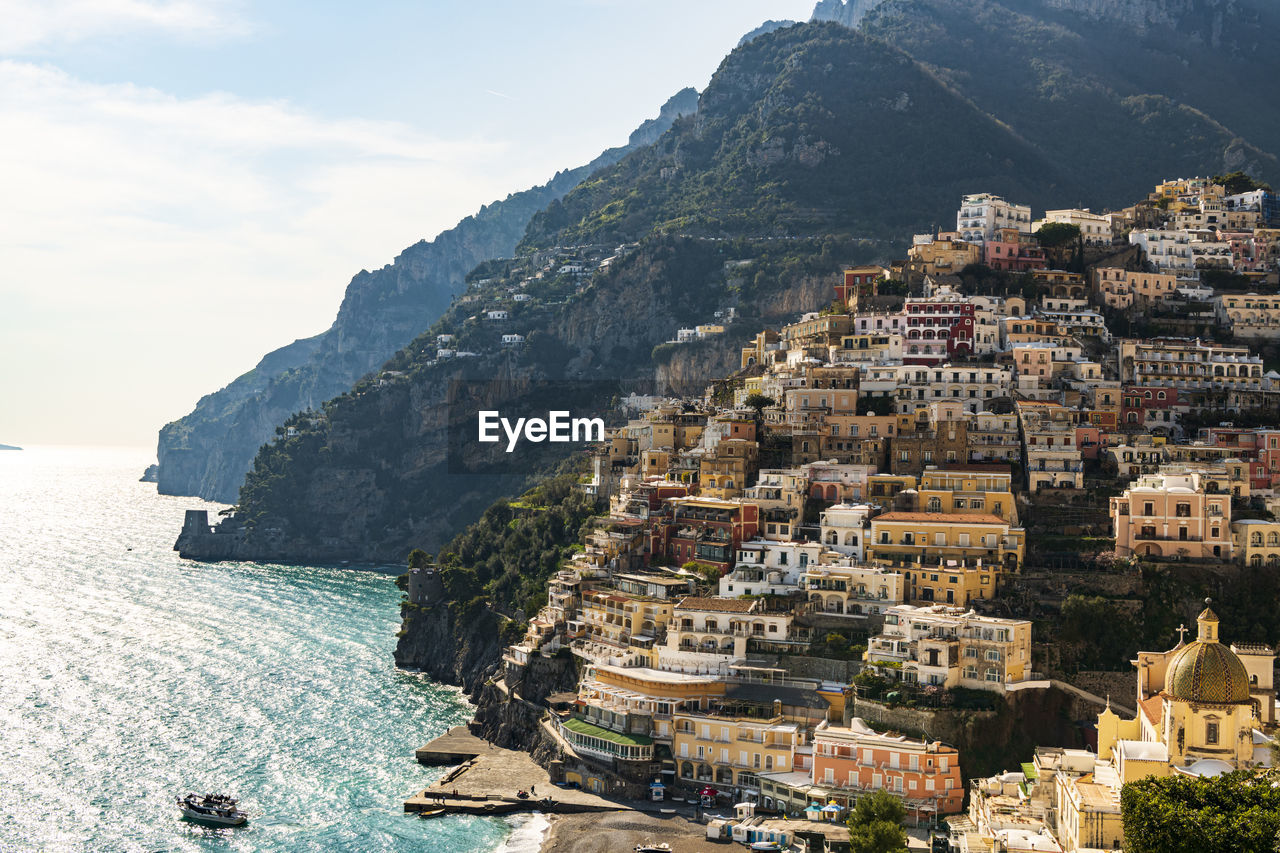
point(208, 452)
point(463, 652)
point(847, 12)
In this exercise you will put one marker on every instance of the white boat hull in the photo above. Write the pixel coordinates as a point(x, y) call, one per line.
point(233, 819)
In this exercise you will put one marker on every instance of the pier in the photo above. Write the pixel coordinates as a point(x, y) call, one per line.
point(487, 779)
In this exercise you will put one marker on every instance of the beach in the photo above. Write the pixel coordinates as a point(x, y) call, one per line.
point(619, 832)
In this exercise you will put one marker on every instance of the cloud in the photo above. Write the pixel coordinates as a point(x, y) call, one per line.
point(157, 246)
point(33, 25)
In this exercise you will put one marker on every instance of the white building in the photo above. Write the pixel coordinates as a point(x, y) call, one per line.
point(845, 588)
point(1169, 250)
point(980, 214)
point(1095, 228)
point(843, 529)
point(765, 567)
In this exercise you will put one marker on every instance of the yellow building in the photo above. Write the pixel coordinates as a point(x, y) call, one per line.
point(968, 489)
point(891, 491)
point(724, 472)
point(731, 752)
point(1249, 315)
point(944, 254)
point(616, 618)
point(958, 585)
point(935, 539)
point(1256, 542)
point(1201, 706)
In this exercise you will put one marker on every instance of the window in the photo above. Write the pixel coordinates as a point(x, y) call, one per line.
point(1148, 508)
point(1211, 733)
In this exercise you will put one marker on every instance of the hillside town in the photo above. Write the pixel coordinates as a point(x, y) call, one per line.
point(804, 570)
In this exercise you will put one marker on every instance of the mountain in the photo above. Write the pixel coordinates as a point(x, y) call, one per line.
point(813, 146)
point(207, 452)
point(868, 132)
point(9, 447)
point(763, 29)
point(847, 12)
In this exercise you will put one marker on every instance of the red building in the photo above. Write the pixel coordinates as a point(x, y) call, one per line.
point(1155, 408)
point(702, 530)
point(939, 328)
point(860, 281)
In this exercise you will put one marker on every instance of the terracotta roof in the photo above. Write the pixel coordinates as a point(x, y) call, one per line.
point(946, 517)
point(1152, 707)
point(720, 605)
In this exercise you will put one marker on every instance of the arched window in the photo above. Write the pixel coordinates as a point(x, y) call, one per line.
point(935, 505)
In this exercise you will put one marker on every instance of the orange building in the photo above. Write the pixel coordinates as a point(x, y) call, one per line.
point(857, 759)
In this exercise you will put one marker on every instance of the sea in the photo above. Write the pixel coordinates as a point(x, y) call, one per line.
point(129, 676)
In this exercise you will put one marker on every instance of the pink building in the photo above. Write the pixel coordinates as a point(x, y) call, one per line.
point(1013, 251)
point(1170, 514)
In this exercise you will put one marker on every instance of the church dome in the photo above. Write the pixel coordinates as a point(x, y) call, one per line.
point(1206, 671)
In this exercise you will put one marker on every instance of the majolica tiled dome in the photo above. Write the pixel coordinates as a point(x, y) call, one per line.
point(1206, 671)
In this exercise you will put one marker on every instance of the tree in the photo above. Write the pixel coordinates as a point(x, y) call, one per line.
point(419, 558)
point(1053, 235)
point(875, 405)
point(758, 402)
point(875, 824)
point(1238, 182)
point(1180, 814)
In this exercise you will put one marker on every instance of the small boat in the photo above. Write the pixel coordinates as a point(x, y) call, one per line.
point(653, 848)
point(213, 809)
point(430, 813)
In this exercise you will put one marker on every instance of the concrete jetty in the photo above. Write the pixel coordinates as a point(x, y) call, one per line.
point(453, 747)
point(488, 778)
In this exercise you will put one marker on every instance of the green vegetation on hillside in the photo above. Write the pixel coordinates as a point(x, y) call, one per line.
point(507, 556)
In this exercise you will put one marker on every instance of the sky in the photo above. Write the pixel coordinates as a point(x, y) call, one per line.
point(186, 185)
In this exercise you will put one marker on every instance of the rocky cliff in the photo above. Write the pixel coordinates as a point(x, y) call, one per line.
point(847, 12)
point(208, 452)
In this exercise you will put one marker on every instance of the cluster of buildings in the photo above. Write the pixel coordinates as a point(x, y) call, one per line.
point(1204, 708)
point(865, 473)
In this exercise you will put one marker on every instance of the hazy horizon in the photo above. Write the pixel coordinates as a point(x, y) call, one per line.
point(192, 183)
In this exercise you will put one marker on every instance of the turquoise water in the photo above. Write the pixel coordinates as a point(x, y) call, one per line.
point(129, 676)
